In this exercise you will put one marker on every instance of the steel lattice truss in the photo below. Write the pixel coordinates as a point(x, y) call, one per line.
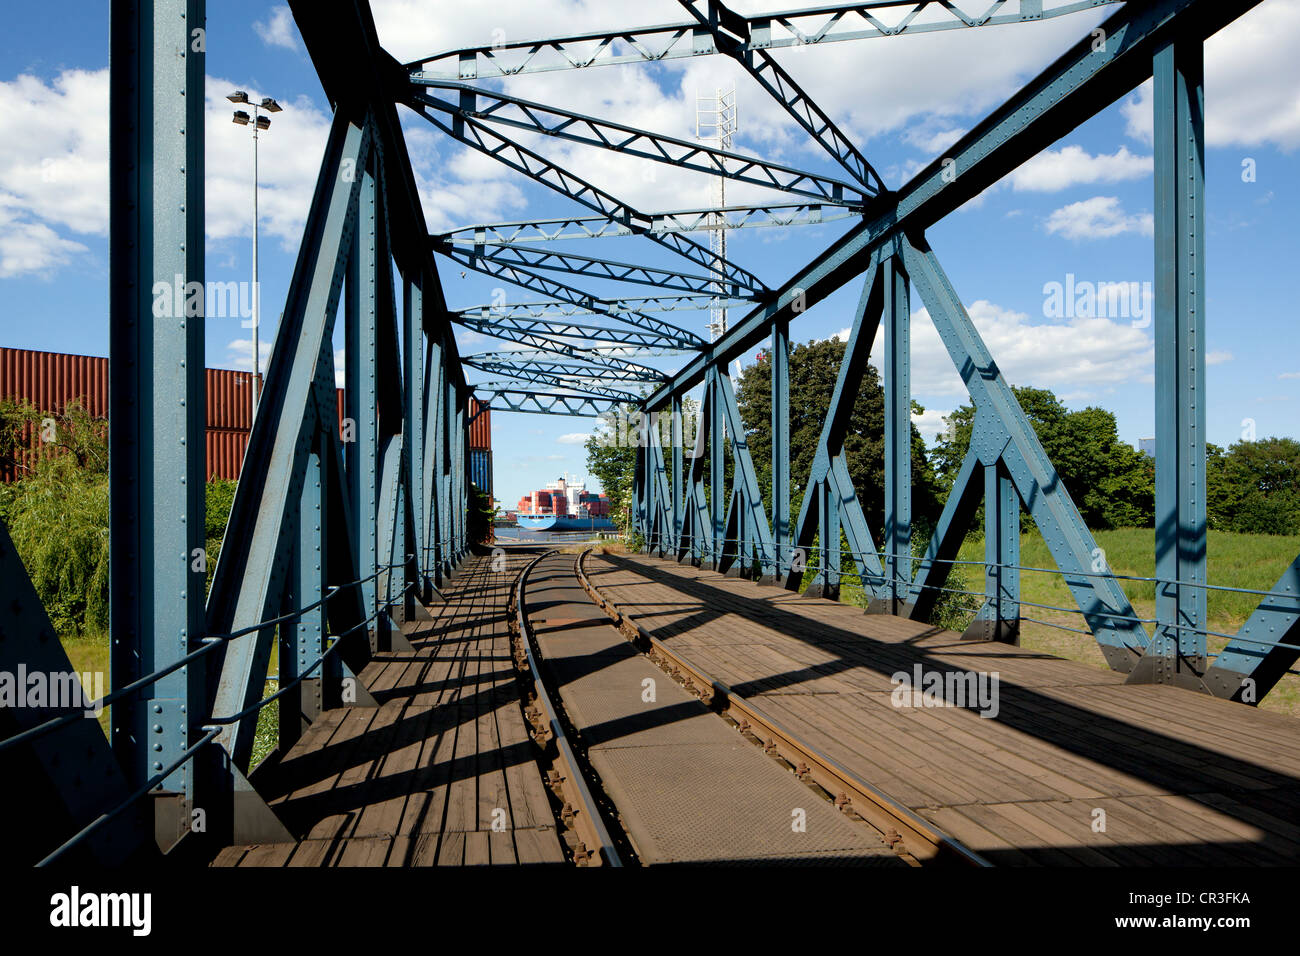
point(491, 122)
point(884, 245)
point(338, 526)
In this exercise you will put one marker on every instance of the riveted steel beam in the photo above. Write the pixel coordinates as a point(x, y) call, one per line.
point(682, 220)
point(806, 26)
point(490, 106)
point(478, 136)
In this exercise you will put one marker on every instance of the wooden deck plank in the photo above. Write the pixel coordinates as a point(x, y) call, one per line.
point(402, 784)
point(1184, 778)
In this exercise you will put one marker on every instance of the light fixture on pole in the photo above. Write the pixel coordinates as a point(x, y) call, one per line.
point(259, 123)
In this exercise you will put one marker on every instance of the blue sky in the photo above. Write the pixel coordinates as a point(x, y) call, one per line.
point(1082, 209)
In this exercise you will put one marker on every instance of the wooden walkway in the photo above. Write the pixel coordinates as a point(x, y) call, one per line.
point(442, 772)
point(1076, 767)
point(687, 787)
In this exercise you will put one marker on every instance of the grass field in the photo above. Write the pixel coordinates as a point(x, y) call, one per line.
point(90, 652)
point(1235, 560)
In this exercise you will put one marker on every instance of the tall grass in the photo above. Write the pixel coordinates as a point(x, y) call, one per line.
point(1251, 561)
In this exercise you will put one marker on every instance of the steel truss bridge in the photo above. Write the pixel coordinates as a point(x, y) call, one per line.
point(333, 545)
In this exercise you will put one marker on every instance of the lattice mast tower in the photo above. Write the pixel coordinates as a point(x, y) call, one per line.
point(716, 122)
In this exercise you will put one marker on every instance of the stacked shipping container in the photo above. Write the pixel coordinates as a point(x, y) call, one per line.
point(50, 380)
point(480, 446)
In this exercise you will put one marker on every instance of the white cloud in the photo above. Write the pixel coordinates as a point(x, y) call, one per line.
point(1100, 217)
point(927, 108)
point(1067, 356)
point(574, 438)
point(279, 29)
point(239, 353)
point(1217, 358)
point(54, 167)
point(31, 248)
point(1251, 75)
point(931, 423)
point(1286, 375)
point(1056, 169)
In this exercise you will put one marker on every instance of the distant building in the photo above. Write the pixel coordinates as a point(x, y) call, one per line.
point(1148, 447)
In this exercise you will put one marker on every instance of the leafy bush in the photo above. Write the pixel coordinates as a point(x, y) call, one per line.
point(58, 514)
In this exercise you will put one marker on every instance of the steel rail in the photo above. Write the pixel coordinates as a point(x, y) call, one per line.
point(922, 839)
point(587, 821)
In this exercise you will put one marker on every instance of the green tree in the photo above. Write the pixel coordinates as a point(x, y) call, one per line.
point(1111, 483)
point(1254, 487)
point(481, 515)
point(813, 371)
point(611, 460)
point(57, 514)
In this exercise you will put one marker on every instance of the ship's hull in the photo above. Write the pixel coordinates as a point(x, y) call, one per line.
point(563, 523)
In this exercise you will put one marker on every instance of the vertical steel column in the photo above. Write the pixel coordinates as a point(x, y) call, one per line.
point(447, 516)
point(638, 488)
point(433, 431)
point(898, 435)
point(459, 468)
point(413, 432)
point(678, 505)
point(361, 388)
point(781, 445)
point(651, 481)
point(302, 639)
point(717, 469)
point(156, 389)
point(998, 618)
point(1177, 654)
point(831, 543)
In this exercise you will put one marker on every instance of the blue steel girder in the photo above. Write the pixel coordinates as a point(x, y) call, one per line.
point(250, 576)
point(572, 383)
point(81, 787)
point(494, 107)
point(750, 514)
point(682, 220)
point(830, 503)
point(559, 290)
point(1083, 81)
point(1178, 653)
point(544, 403)
point(593, 366)
point(542, 170)
point(156, 387)
point(776, 30)
point(531, 331)
point(587, 266)
point(624, 305)
point(1101, 600)
point(731, 34)
point(413, 425)
point(896, 364)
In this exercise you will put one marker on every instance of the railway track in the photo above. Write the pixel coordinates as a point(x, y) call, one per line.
point(587, 837)
point(617, 790)
point(915, 839)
